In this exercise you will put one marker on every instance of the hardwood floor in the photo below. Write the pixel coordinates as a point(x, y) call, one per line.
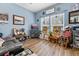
point(46, 48)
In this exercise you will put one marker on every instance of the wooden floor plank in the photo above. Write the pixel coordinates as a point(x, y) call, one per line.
point(46, 48)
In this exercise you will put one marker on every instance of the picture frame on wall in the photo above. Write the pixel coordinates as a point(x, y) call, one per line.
point(3, 18)
point(74, 17)
point(18, 20)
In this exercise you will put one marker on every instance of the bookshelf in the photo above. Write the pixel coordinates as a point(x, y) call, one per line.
point(51, 22)
point(45, 24)
point(57, 21)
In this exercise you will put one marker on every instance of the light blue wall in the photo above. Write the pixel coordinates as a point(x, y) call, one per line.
point(30, 17)
point(63, 8)
point(11, 9)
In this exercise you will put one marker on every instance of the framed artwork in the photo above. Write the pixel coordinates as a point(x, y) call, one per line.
point(74, 17)
point(3, 18)
point(49, 11)
point(18, 20)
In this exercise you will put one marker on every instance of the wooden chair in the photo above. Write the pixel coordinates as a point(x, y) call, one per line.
point(55, 36)
point(67, 37)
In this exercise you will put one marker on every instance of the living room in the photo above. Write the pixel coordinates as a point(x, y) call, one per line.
point(39, 29)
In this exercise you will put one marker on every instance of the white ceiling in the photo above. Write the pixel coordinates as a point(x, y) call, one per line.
point(35, 7)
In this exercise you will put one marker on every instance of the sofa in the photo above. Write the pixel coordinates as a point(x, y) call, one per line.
point(9, 46)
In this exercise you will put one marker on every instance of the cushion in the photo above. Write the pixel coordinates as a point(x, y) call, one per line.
point(1, 41)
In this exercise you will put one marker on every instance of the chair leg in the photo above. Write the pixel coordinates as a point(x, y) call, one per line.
point(66, 43)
